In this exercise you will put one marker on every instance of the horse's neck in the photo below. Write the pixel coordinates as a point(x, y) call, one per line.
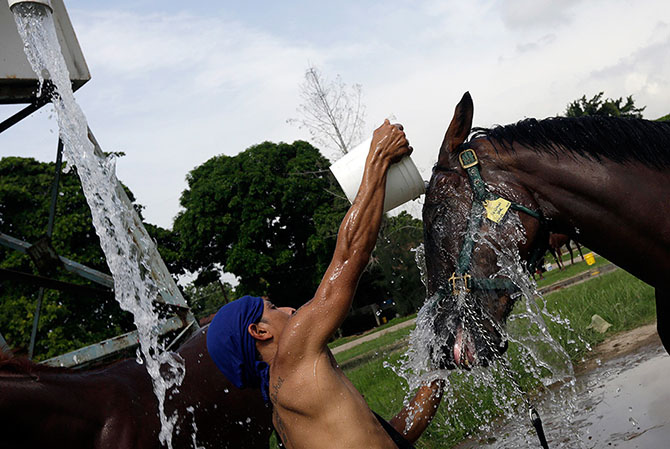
point(615, 209)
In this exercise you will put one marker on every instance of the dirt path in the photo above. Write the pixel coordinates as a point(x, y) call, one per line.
point(373, 336)
point(619, 345)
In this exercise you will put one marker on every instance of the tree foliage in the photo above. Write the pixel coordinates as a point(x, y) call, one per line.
point(265, 215)
point(395, 254)
point(331, 111)
point(67, 321)
point(597, 106)
point(206, 300)
point(269, 215)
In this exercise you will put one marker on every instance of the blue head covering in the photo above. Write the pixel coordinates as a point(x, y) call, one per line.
point(233, 349)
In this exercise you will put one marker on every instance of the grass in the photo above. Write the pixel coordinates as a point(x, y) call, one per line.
point(556, 275)
point(373, 346)
point(392, 322)
point(618, 297)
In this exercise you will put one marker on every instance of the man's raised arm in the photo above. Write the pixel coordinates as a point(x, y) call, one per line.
point(321, 316)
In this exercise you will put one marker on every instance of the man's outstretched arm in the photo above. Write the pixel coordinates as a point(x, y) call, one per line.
point(414, 418)
point(320, 317)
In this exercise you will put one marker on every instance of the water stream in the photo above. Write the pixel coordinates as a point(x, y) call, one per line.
point(133, 287)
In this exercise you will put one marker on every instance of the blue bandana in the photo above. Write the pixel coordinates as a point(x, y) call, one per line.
point(233, 349)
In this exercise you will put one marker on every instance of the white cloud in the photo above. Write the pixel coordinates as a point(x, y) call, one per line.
point(173, 90)
point(522, 14)
point(644, 72)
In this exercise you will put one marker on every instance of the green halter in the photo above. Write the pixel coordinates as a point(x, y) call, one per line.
point(496, 207)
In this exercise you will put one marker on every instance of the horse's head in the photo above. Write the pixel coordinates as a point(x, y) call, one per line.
point(464, 247)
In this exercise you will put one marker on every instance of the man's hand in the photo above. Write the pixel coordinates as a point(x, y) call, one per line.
point(389, 142)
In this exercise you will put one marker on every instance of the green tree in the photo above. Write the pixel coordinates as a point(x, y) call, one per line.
point(206, 300)
point(665, 118)
point(267, 215)
point(67, 321)
point(168, 245)
point(598, 106)
point(395, 255)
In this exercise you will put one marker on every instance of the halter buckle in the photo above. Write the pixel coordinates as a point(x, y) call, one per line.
point(460, 283)
point(468, 158)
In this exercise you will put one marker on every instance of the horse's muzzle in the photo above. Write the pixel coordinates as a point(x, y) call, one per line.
point(465, 348)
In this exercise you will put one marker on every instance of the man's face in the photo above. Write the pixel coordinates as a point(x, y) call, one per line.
point(275, 318)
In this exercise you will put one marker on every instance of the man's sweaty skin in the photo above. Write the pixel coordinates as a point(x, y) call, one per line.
point(315, 404)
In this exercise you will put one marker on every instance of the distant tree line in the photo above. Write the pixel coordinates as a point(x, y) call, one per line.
point(268, 215)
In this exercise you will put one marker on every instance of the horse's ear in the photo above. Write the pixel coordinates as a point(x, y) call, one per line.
point(458, 130)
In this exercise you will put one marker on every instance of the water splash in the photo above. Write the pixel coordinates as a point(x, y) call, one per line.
point(133, 287)
point(535, 361)
point(194, 434)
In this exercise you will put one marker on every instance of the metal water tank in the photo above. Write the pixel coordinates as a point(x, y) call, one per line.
point(18, 82)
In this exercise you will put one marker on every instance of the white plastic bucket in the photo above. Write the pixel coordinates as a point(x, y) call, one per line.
point(403, 182)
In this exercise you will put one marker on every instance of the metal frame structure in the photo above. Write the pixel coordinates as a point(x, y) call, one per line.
point(169, 293)
point(21, 89)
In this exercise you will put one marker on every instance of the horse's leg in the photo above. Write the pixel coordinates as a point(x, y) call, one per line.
point(567, 245)
point(553, 253)
point(561, 265)
point(663, 316)
point(579, 248)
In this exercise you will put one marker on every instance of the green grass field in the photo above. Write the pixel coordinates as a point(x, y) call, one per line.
point(340, 341)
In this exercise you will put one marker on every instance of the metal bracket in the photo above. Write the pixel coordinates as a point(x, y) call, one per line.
point(460, 283)
point(74, 267)
point(44, 256)
point(468, 158)
point(109, 347)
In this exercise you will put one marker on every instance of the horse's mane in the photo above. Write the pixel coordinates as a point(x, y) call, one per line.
point(593, 137)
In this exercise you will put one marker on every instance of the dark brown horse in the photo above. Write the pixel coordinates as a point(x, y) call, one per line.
point(556, 244)
point(115, 407)
point(604, 181)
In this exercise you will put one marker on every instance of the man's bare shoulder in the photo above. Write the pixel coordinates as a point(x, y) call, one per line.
point(302, 367)
point(296, 341)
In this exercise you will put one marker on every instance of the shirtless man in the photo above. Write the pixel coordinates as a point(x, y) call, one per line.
point(314, 404)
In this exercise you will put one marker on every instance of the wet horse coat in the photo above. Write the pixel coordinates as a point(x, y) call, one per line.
point(115, 407)
point(603, 181)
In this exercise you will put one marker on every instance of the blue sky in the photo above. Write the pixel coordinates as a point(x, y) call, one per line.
point(175, 83)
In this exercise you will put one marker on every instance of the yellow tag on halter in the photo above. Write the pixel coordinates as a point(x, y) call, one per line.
point(496, 209)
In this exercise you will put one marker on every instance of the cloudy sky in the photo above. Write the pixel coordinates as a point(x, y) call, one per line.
point(175, 83)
